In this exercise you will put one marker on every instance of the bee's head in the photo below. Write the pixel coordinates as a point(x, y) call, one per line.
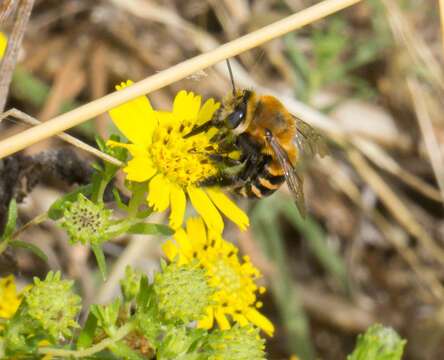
point(237, 111)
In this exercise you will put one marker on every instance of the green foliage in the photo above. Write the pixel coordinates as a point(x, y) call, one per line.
point(8, 238)
point(86, 219)
point(378, 343)
point(57, 209)
point(157, 327)
point(34, 249)
point(47, 312)
point(11, 221)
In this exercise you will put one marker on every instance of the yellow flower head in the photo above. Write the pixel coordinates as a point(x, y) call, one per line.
point(174, 164)
point(236, 296)
point(9, 298)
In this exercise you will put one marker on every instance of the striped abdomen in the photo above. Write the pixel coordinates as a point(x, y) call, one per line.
point(264, 181)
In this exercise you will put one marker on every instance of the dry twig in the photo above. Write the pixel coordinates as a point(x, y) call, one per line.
point(14, 42)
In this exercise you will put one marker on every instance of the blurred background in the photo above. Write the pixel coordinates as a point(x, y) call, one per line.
point(371, 78)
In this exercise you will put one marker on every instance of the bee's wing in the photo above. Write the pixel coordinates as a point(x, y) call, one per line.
point(294, 180)
point(308, 140)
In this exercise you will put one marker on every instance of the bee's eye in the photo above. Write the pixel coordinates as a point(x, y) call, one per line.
point(236, 117)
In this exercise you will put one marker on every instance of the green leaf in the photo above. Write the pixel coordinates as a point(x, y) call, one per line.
point(86, 336)
point(145, 291)
point(100, 143)
point(100, 257)
point(34, 249)
point(97, 167)
point(12, 219)
point(144, 214)
point(151, 229)
point(57, 209)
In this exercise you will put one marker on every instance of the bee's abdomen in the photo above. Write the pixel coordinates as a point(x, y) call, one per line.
point(261, 185)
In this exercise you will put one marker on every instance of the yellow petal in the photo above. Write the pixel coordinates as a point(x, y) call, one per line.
point(170, 249)
point(196, 231)
point(229, 208)
point(184, 243)
point(159, 193)
point(186, 105)
point(207, 320)
point(207, 111)
point(178, 204)
point(241, 319)
point(135, 119)
point(140, 169)
point(260, 321)
point(205, 208)
point(222, 320)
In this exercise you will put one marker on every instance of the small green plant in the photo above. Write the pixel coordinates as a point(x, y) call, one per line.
point(378, 343)
point(151, 320)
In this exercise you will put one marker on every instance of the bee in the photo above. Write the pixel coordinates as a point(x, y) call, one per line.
point(270, 142)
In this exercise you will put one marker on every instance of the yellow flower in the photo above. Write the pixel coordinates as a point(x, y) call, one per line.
point(3, 43)
point(236, 296)
point(9, 298)
point(174, 164)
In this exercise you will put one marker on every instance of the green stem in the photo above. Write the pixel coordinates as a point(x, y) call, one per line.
point(138, 193)
point(120, 334)
point(122, 226)
point(101, 190)
point(37, 220)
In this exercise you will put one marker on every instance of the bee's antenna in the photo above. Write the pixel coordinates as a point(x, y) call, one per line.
point(231, 77)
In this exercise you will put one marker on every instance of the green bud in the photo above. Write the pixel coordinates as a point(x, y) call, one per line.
point(378, 343)
point(107, 315)
point(237, 343)
point(131, 284)
point(182, 292)
point(86, 221)
point(52, 304)
point(179, 343)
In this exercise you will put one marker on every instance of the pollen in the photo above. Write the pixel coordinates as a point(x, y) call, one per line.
point(183, 161)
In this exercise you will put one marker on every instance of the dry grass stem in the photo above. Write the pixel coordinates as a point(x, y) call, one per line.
point(428, 134)
point(14, 42)
point(174, 73)
point(68, 138)
point(343, 182)
point(405, 34)
point(392, 202)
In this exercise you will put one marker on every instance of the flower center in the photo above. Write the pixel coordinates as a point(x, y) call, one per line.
point(183, 161)
point(226, 277)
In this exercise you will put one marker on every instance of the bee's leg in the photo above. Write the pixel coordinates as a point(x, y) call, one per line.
point(224, 160)
point(214, 122)
point(221, 180)
point(251, 165)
